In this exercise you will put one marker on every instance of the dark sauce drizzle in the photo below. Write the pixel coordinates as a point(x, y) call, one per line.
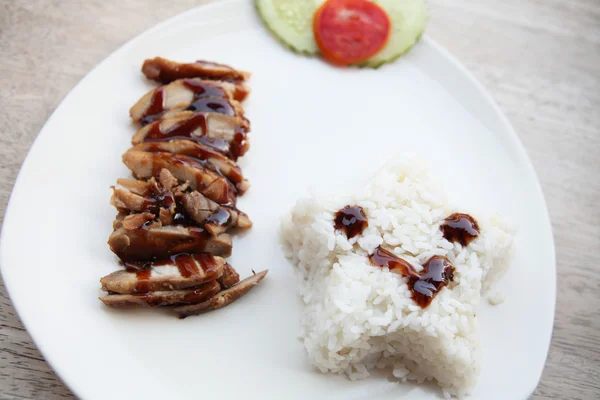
point(157, 103)
point(181, 130)
point(461, 228)
point(187, 264)
point(207, 97)
point(155, 201)
point(203, 88)
point(186, 129)
point(142, 277)
point(437, 272)
point(181, 217)
point(212, 104)
point(351, 220)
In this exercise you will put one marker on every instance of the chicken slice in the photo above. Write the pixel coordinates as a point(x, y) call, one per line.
point(224, 133)
point(136, 221)
point(166, 217)
point(163, 298)
point(151, 243)
point(138, 187)
point(212, 216)
point(209, 183)
point(222, 299)
point(167, 180)
point(123, 199)
point(187, 93)
point(214, 159)
point(229, 278)
point(242, 121)
point(198, 210)
point(166, 71)
point(179, 272)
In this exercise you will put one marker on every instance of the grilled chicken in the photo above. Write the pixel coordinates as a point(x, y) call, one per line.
point(140, 196)
point(242, 121)
point(167, 180)
point(163, 298)
point(138, 187)
point(136, 221)
point(171, 222)
point(166, 71)
point(219, 131)
point(215, 160)
point(192, 94)
point(180, 272)
point(222, 299)
point(209, 183)
point(214, 218)
point(229, 278)
point(149, 243)
point(199, 209)
point(123, 199)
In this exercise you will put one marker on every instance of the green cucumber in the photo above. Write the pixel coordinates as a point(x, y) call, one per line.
point(291, 21)
point(408, 18)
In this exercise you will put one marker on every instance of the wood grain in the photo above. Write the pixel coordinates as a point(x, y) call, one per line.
point(540, 59)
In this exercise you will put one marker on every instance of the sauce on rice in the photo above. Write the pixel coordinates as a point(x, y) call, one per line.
point(437, 272)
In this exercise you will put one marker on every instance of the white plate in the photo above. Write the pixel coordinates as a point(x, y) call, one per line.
point(312, 125)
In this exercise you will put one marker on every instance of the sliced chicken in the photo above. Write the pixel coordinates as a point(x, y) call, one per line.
point(215, 160)
point(212, 216)
point(170, 230)
point(163, 298)
point(217, 105)
point(138, 187)
point(149, 187)
point(150, 196)
point(123, 199)
point(159, 242)
point(184, 94)
point(137, 221)
point(242, 121)
point(166, 71)
point(229, 278)
point(166, 217)
point(167, 180)
point(118, 222)
point(222, 299)
point(179, 272)
point(197, 208)
point(219, 131)
point(209, 183)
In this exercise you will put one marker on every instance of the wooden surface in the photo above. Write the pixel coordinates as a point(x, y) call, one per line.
point(540, 59)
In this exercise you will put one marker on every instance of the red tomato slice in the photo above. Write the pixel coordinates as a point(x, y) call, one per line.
point(350, 31)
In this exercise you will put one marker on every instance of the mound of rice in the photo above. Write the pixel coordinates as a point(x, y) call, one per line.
point(358, 317)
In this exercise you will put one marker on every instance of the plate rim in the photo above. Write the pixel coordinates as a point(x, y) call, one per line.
point(37, 336)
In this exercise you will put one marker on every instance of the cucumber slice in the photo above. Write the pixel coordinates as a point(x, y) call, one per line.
point(409, 18)
point(291, 22)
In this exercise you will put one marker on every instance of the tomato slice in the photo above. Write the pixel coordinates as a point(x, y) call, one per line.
point(350, 31)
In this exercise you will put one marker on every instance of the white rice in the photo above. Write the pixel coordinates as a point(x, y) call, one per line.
point(496, 298)
point(358, 317)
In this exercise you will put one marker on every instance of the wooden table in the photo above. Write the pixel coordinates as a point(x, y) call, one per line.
point(540, 59)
